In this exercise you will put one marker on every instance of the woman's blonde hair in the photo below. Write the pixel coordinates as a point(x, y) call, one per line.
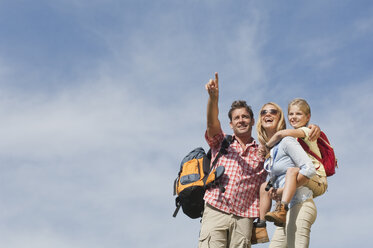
point(262, 135)
point(302, 104)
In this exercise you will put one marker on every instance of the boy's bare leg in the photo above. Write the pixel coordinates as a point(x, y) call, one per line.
point(279, 215)
point(265, 201)
point(301, 180)
point(290, 184)
point(293, 179)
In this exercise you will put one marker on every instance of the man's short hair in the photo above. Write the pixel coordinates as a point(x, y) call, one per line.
point(240, 104)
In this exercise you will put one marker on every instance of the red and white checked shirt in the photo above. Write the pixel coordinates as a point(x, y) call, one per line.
point(244, 173)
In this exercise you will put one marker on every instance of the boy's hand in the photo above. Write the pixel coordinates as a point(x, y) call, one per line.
point(314, 133)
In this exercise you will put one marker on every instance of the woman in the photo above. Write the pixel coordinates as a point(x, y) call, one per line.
point(287, 154)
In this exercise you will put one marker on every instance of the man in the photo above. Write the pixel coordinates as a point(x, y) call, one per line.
point(228, 217)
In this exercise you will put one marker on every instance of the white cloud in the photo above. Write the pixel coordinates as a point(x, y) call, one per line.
point(91, 164)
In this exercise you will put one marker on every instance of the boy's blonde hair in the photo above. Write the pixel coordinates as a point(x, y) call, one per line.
point(262, 135)
point(302, 104)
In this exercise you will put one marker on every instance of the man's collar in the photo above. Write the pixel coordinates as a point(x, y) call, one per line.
point(251, 143)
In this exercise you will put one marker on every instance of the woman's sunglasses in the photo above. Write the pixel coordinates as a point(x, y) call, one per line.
point(271, 111)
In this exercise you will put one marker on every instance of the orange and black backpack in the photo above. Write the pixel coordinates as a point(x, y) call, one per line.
point(195, 176)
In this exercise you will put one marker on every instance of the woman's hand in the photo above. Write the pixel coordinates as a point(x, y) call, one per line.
point(276, 193)
point(262, 151)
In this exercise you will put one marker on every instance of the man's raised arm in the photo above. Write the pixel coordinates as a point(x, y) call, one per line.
point(213, 123)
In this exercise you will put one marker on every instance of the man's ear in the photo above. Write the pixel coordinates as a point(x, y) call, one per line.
point(230, 124)
point(252, 122)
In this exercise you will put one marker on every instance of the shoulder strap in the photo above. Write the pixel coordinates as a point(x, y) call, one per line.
point(307, 149)
point(268, 163)
point(223, 150)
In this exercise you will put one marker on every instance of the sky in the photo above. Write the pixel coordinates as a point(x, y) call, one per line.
point(100, 101)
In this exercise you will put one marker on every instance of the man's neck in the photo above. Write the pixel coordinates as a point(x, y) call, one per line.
point(244, 140)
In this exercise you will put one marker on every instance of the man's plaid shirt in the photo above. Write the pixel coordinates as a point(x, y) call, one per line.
point(243, 176)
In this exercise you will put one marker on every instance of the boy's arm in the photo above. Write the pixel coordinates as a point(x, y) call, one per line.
point(296, 133)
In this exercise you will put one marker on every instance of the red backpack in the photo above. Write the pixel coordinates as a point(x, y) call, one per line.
point(328, 158)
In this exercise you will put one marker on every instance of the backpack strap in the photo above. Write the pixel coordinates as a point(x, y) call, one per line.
point(207, 167)
point(307, 149)
point(178, 205)
point(268, 163)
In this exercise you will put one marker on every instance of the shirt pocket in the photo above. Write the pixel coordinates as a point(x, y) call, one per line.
point(251, 167)
point(255, 165)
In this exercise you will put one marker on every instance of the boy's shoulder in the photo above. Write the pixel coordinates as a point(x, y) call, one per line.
point(306, 131)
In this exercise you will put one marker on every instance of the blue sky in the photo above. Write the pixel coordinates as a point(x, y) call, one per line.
point(100, 101)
